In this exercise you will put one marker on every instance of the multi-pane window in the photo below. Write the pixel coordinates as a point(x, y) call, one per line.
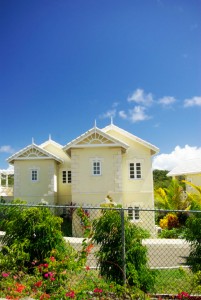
point(69, 176)
point(34, 175)
point(63, 176)
point(66, 176)
point(135, 170)
point(134, 213)
point(96, 167)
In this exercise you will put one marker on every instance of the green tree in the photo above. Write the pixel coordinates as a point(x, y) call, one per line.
point(107, 233)
point(193, 235)
point(32, 233)
point(160, 179)
point(172, 197)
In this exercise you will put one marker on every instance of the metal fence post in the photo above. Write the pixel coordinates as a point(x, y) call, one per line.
point(123, 246)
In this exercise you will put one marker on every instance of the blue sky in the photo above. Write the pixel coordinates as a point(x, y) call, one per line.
point(66, 63)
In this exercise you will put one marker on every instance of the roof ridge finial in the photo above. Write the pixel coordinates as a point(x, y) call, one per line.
point(95, 123)
point(32, 141)
point(50, 137)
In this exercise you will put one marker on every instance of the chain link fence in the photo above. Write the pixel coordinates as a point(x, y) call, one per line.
point(166, 256)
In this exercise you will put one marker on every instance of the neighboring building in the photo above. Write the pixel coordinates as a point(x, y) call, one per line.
point(191, 170)
point(100, 162)
point(6, 184)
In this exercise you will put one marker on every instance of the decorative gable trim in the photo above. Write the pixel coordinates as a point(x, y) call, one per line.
point(95, 137)
point(33, 152)
point(154, 149)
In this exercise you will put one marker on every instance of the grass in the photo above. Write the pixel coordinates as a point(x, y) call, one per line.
point(174, 281)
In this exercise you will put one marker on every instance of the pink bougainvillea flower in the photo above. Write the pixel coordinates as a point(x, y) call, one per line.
point(45, 265)
point(52, 279)
point(70, 294)
point(183, 295)
point(46, 275)
point(97, 290)
point(5, 274)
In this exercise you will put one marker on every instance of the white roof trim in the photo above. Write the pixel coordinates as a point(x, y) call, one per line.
point(74, 143)
point(17, 155)
point(154, 149)
point(191, 166)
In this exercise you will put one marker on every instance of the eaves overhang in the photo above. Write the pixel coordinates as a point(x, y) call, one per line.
point(33, 152)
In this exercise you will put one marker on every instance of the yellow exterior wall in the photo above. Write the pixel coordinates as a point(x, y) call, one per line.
point(64, 189)
point(195, 179)
point(115, 181)
point(89, 189)
point(46, 186)
point(136, 191)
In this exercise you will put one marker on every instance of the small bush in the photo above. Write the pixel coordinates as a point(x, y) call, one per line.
point(193, 235)
point(107, 233)
point(173, 233)
point(169, 221)
point(31, 235)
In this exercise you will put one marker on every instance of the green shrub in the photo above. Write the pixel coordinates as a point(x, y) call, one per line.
point(32, 233)
point(107, 233)
point(169, 221)
point(173, 233)
point(193, 235)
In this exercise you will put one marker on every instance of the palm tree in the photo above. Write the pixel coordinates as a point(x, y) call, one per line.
point(195, 198)
point(171, 198)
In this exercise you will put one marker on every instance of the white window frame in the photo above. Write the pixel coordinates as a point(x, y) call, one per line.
point(136, 172)
point(96, 167)
point(134, 213)
point(34, 174)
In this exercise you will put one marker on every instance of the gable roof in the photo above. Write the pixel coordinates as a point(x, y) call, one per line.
point(154, 149)
point(33, 152)
point(95, 137)
point(191, 166)
point(51, 142)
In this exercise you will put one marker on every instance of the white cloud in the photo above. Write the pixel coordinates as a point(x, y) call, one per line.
point(140, 97)
point(6, 149)
point(195, 101)
point(9, 170)
point(109, 114)
point(122, 114)
point(171, 160)
point(138, 114)
point(167, 100)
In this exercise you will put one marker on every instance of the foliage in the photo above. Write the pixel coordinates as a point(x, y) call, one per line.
point(169, 221)
point(56, 272)
point(173, 233)
point(31, 234)
point(172, 197)
point(195, 198)
point(53, 280)
point(107, 233)
point(160, 179)
point(193, 235)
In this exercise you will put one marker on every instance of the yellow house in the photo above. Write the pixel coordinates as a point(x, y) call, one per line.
point(191, 170)
point(100, 162)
